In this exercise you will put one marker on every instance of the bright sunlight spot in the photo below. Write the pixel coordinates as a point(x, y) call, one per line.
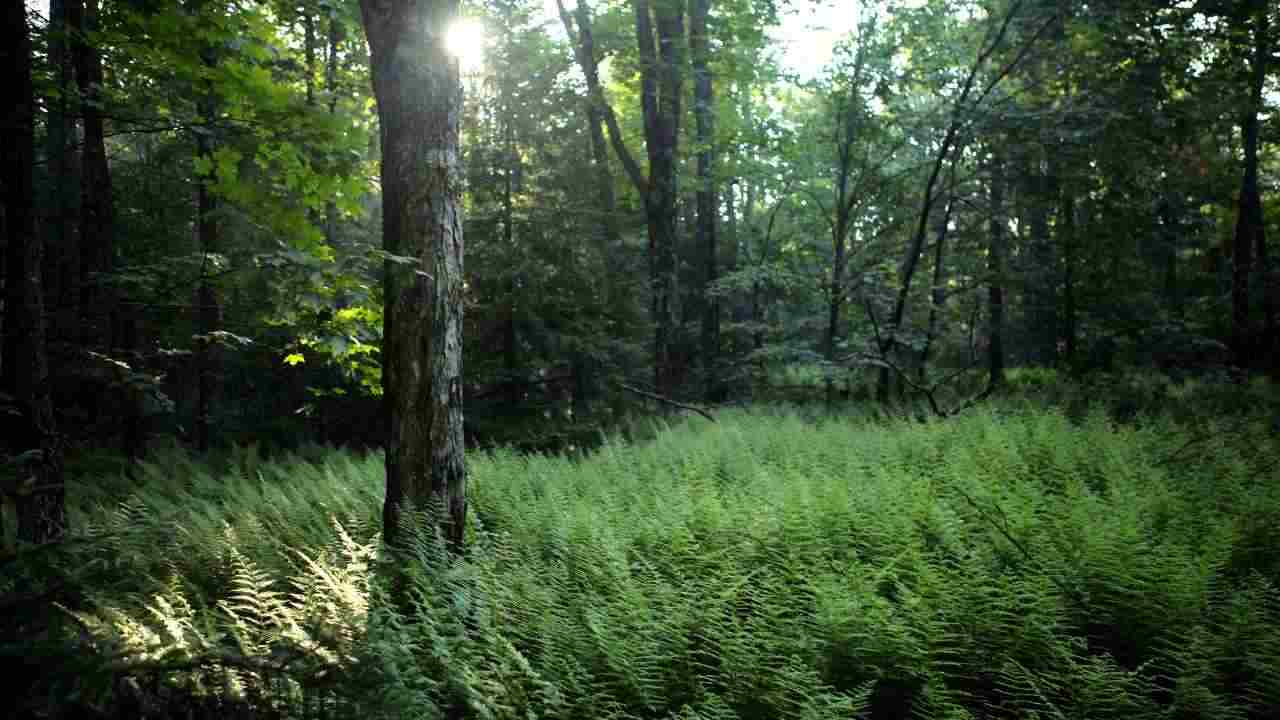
point(466, 41)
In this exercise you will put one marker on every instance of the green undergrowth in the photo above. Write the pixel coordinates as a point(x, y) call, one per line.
point(1008, 563)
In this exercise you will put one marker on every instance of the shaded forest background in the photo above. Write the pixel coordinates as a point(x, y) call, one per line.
point(1047, 184)
point(935, 381)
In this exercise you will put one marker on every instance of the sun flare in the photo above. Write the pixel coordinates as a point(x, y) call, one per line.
point(466, 40)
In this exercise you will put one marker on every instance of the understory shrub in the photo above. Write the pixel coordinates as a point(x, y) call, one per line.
point(1007, 563)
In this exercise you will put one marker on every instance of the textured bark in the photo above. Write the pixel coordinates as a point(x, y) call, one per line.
point(41, 496)
point(419, 94)
point(661, 95)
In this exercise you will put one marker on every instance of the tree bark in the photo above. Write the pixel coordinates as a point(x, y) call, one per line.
point(419, 94)
point(41, 496)
point(661, 96)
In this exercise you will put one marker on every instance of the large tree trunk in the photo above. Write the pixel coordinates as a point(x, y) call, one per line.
point(419, 94)
point(708, 207)
point(41, 495)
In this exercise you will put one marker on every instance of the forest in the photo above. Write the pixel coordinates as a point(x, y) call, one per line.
point(640, 359)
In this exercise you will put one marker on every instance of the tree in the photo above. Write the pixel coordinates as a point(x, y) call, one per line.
point(661, 93)
point(707, 205)
point(419, 95)
point(1250, 230)
point(40, 495)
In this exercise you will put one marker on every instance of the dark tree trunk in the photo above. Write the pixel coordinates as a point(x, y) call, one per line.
point(1250, 232)
point(661, 90)
point(845, 202)
point(97, 215)
point(208, 309)
point(331, 87)
point(419, 94)
point(1067, 236)
point(1042, 295)
point(661, 95)
point(907, 270)
point(510, 339)
point(995, 283)
point(938, 290)
point(309, 41)
point(708, 207)
point(61, 256)
point(41, 496)
point(608, 235)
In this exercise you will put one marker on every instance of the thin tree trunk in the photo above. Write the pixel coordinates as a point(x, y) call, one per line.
point(708, 207)
point(510, 339)
point(608, 235)
point(1067, 236)
point(938, 291)
point(995, 268)
point(62, 246)
point(949, 140)
point(419, 93)
point(208, 310)
point(661, 91)
point(1250, 229)
point(331, 87)
point(41, 496)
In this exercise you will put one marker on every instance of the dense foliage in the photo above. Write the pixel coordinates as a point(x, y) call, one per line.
point(1015, 562)
point(975, 296)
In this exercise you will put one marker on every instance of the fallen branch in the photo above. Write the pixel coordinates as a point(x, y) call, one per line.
point(667, 400)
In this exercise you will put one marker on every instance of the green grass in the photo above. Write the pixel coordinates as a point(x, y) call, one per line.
point(1009, 563)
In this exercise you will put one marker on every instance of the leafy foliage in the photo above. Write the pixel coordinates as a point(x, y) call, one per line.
point(1007, 563)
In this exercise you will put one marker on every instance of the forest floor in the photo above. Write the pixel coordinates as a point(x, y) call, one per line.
point(1025, 559)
